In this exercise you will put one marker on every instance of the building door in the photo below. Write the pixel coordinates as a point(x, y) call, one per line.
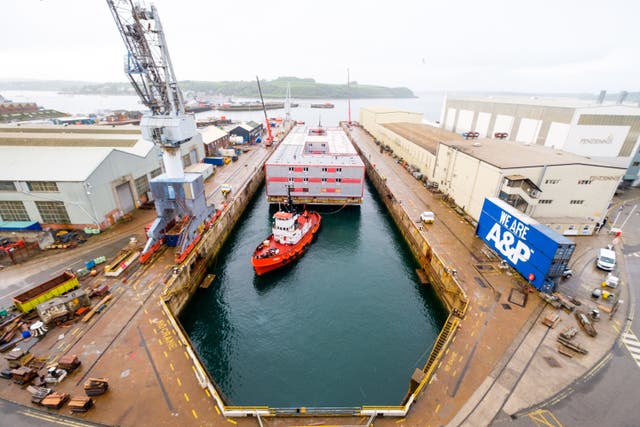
point(125, 196)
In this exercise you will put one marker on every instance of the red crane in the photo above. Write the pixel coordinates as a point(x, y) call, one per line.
point(269, 140)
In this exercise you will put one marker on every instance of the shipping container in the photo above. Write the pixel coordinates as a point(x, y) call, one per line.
point(28, 300)
point(537, 252)
point(217, 161)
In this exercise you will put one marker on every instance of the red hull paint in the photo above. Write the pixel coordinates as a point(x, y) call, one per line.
point(263, 263)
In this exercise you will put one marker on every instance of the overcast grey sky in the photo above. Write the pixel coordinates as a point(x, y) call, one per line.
point(537, 46)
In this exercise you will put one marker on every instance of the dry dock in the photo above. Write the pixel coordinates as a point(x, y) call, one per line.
point(155, 379)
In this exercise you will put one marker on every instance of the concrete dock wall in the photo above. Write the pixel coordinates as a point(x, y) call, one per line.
point(440, 275)
point(186, 278)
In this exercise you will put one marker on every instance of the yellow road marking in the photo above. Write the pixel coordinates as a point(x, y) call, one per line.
point(171, 366)
point(454, 339)
point(75, 331)
point(461, 357)
point(543, 417)
point(231, 421)
point(155, 331)
point(159, 341)
point(206, 390)
point(165, 353)
point(186, 355)
point(179, 382)
point(150, 321)
point(217, 410)
point(195, 415)
point(473, 333)
point(186, 397)
point(400, 420)
point(454, 373)
point(145, 311)
point(615, 328)
point(437, 409)
point(430, 380)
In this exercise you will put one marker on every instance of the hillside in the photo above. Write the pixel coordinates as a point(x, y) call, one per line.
point(300, 88)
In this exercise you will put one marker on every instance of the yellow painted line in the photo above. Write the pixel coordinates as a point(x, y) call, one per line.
point(171, 366)
point(454, 373)
point(461, 357)
point(473, 333)
point(437, 409)
point(186, 397)
point(75, 331)
point(231, 421)
point(145, 311)
point(194, 413)
point(454, 339)
point(401, 420)
point(206, 390)
point(615, 328)
point(159, 341)
point(165, 353)
point(150, 321)
point(217, 410)
point(430, 380)
point(155, 331)
point(186, 355)
point(447, 351)
point(179, 382)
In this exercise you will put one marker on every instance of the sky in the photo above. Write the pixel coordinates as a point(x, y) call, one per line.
point(453, 45)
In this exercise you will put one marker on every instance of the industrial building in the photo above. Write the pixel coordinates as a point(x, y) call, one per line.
point(568, 192)
point(78, 176)
point(249, 131)
point(213, 138)
point(317, 166)
point(587, 128)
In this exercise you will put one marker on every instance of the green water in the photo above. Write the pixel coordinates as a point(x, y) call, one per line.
point(346, 325)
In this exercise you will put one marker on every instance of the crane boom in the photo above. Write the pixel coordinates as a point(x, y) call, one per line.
point(179, 198)
point(148, 64)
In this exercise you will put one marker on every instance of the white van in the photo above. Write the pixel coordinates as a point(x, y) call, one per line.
point(606, 259)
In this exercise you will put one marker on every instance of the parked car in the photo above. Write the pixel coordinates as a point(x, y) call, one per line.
point(427, 217)
point(606, 259)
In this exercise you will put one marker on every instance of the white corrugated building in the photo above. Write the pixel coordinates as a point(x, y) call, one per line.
point(568, 192)
point(78, 175)
point(583, 127)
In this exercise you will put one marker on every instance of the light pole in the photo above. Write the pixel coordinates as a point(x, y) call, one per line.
point(88, 187)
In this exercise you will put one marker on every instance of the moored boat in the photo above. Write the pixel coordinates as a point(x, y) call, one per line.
point(292, 234)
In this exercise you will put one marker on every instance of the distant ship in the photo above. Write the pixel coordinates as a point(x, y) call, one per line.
point(325, 105)
point(292, 234)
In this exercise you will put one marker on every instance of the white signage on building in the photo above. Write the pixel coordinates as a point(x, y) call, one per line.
point(607, 140)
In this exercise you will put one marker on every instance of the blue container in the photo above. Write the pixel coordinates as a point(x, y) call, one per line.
point(90, 264)
point(171, 240)
point(217, 161)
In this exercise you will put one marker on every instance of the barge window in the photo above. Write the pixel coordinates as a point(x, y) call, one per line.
point(545, 202)
point(584, 182)
point(576, 202)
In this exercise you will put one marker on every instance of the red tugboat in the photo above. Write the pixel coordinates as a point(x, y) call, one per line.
point(292, 235)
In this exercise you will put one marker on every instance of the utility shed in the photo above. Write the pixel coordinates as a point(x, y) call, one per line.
point(77, 176)
point(249, 131)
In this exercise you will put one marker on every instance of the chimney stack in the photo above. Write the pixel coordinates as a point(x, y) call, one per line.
point(621, 97)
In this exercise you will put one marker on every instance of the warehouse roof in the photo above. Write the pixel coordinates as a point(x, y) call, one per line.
point(502, 154)
point(212, 133)
point(508, 154)
point(424, 136)
point(58, 156)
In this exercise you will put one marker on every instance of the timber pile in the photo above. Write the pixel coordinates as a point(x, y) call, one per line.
point(55, 400)
point(586, 323)
point(80, 404)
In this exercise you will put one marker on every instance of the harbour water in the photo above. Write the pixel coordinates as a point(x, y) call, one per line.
point(428, 103)
point(344, 326)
